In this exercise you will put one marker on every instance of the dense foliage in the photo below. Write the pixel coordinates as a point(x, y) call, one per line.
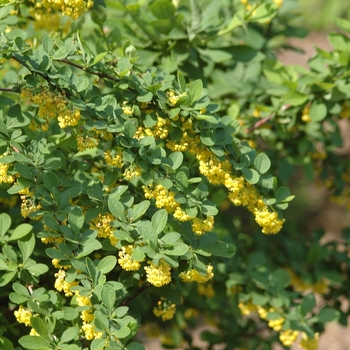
point(146, 149)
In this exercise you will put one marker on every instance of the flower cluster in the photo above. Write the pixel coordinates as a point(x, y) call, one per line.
point(103, 225)
point(114, 158)
point(50, 106)
point(125, 259)
point(62, 285)
point(71, 8)
point(23, 315)
point(288, 337)
point(300, 285)
point(173, 98)
point(200, 226)
point(194, 276)
point(309, 343)
point(4, 176)
point(163, 197)
point(206, 289)
point(158, 275)
point(165, 309)
point(44, 19)
point(28, 206)
point(86, 142)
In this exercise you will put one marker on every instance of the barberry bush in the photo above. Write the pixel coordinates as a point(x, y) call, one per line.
point(146, 154)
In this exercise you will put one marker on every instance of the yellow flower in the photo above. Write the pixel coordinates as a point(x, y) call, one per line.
point(200, 226)
point(206, 289)
point(269, 221)
point(158, 275)
point(126, 261)
point(103, 226)
point(23, 315)
point(309, 343)
point(288, 337)
point(247, 308)
point(165, 309)
point(194, 276)
point(90, 332)
point(62, 285)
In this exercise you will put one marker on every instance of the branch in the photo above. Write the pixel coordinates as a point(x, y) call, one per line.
point(101, 75)
point(259, 123)
point(9, 90)
point(141, 290)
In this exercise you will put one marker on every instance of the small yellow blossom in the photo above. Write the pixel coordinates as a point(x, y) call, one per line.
point(23, 315)
point(194, 276)
point(288, 337)
point(206, 289)
point(62, 285)
point(103, 225)
point(309, 343)
point(247, 308)
point(126, 261)
point(200, 226)
point(90, 332)
point(165, 309)
point(158, 275)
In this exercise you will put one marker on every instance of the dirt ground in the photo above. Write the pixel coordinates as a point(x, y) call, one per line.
point(331, 217)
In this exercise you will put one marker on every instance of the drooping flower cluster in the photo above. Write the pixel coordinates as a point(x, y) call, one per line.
point(194, 276)
point(4, 176)
point(309, 343)
point(163, 197)
point(165, 309)
point(158, 275)
point(114, 158)
point(62, 285)
point(125, 259)
point(102, 225)
point(23, 315)
point(50, 106)
point(200, 226)
point(71, 8)
point(28, 206)
point(288, 337)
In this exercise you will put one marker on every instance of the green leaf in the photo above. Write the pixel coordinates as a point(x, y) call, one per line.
point(20, 289)
point(262, 163)
point(195, 90)
point(3, 265)
point(251, 175)
point(20, 231)
point(41, 328)
point(121, 333)
point(6, 344)
point(98, 58)
point(162, 9)
point(181, 81)
point(116, 208)
point(108, 297)
point(26, 246)
point(343, 24)
point(135, 346)
point(76, 219)
point(50, 180)
point(177, 249)
point(69, 313)
point(328, 315)
point(38, 269)
point(308, 304)
point(171, 237)
point(24, 171)
point(259, 299)
point(294, 98)
point(98, 344)
point(140, 209)
point(223, 249)
point(107, 264)
point(88, 247)
point(5, 224)
point(159, 220)
point(34, 342)
point(282, 193)
point(176, 160)
point(318, 112)
point(7, 277)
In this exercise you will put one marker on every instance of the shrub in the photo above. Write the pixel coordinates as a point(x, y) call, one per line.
point(132, 133)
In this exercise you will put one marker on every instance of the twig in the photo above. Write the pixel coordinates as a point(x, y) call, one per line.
point(142, 289)
point(259, 123)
